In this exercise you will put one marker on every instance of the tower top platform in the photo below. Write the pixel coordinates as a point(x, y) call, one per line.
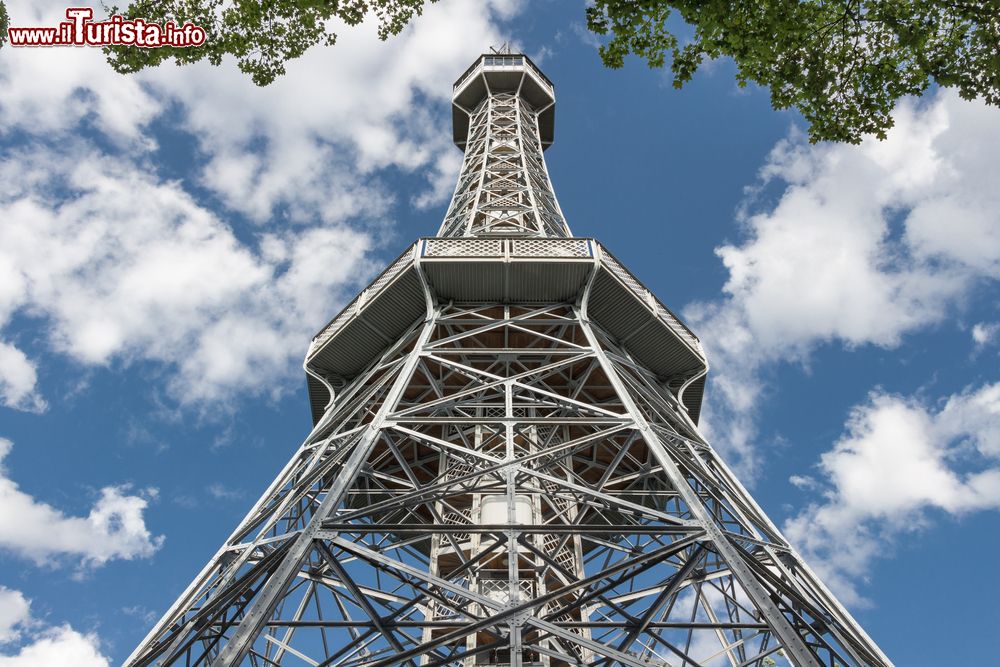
point(509, 73)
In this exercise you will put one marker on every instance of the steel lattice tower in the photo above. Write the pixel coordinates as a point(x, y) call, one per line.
point(505, 467)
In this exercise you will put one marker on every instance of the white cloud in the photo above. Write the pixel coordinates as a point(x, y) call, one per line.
point(146, 616)
point(122, 266)
point(18, 377)
point(51, 90)
point(114, 528)
point(984, 333)
point(863, 245)
point(222, 492)
point(58, 647)
point(898, 459)
point(15, 611)
point(48, 647)
point(315, 140)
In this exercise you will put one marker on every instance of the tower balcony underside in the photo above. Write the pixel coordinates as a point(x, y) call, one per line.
point(512, 271)
point(503, 74)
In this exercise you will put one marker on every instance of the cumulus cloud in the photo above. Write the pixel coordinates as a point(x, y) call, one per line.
point(123, 266)
point(14, 613)
point(47, 646)
point(50, 91)
point(115, 527)
point(984, 333)
point(312, 141)
point(18, 378)
point(58, 647)
point(862, 245)
point(898, 459)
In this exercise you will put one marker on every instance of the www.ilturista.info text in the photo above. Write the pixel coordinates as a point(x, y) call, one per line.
point(81, 30)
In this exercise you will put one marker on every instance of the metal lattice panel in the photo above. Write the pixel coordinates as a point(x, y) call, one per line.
point(504, 187)
point(550, 248)
point(459, 247)
point(387, 276)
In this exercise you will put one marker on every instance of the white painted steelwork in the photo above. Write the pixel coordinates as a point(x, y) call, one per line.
point(506, 470)
point(504, 187)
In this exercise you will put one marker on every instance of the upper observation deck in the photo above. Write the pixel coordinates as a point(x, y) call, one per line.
point(503, 73)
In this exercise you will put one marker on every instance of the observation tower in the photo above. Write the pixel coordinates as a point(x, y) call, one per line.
point(505, 467)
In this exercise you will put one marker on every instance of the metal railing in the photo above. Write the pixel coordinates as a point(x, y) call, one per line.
point(540, 248)
point(502, 60)
point(383, 279)
point(654, 304)
point(507, 247)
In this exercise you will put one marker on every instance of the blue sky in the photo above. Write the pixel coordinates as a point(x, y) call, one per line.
point(170, 241)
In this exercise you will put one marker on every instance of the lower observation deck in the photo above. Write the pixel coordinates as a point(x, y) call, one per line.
point(506, 270)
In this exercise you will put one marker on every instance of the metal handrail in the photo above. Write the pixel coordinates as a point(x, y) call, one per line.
point(516, 59)
point(665, 314)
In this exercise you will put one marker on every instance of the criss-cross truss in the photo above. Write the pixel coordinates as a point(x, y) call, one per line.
point(505, 468)
point(504, 187)
point(507, 486)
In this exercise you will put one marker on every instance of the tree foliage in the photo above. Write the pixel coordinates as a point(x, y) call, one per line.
point(262, 34)
point(4, 22)
point(842, 63)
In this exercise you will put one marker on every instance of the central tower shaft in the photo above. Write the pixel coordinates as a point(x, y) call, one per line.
point(504, 108)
